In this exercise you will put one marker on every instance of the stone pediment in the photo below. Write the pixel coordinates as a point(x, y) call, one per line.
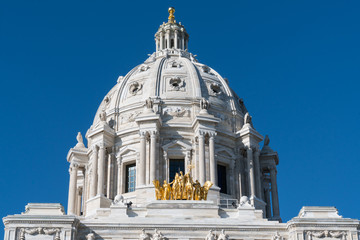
point(177, 144)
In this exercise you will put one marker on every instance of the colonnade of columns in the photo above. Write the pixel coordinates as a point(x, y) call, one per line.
point(152, 158)
point(163, 40)
point(202, 162)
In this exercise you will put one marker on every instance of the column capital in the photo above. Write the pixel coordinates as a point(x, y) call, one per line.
point(273, 170)
point(95, 148)
point(212, 134)
point(154, 133)
point(142, 133)
point(73, 166)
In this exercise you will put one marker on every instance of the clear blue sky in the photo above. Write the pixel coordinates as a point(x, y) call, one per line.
point(295, 64)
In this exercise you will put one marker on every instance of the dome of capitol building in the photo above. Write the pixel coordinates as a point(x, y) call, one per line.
point(172, 153)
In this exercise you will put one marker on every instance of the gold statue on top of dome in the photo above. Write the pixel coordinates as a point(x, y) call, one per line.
point(171, 15)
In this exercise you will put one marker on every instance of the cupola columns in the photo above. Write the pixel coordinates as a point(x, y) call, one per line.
point(171, 35)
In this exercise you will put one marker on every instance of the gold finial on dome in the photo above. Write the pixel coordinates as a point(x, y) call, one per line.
point(171, 15)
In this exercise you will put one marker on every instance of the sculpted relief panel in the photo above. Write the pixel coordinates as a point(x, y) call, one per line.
point(172, 112)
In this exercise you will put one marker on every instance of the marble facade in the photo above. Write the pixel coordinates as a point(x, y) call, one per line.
point(171, 108)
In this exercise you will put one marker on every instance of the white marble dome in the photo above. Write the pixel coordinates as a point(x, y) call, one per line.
point(174, 78)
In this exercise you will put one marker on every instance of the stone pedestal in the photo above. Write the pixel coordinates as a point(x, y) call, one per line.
point(95, 203)
point(188, 209)
point(259, 204)
point(119, 210)
point(213, 194)
point(145, 194)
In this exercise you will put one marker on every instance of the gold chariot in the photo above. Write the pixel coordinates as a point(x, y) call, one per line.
point(182, 188)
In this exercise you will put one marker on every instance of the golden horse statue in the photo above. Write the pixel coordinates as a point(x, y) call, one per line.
point(159, 191)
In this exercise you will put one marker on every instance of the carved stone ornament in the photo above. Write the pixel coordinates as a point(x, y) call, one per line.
point(244, 202)
point(119, 200)
point(277, 236)
point(135, 88)
point(215, 89)
point(206, 69)
point(175, 64)
point(143, 68)
point(247, 119)
point(157, 235)
point(223, 235)
point(210, 236)
point(129, 117)
point(177, 112)
point(40, 230)
point(102, 116)
point(204, 104)
point(90, 236)
point(143, 235)
point(323, 234)
point(149, 103)
point(176, 84)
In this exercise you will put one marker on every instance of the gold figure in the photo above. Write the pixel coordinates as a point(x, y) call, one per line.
point(158, 190)
point(197, 190)
point(176, 193)
point(206, 188)
point(188, 192)
point(171, 15)
point(167, 191)
point(182, 188)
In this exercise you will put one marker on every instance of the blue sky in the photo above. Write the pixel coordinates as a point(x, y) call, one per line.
point(295, 64)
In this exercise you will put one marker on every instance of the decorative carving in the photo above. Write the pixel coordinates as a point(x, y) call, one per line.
point(210, 236)
point(149, 103)
point(102, 116)
point(129, 117)
point(143, 68)
point(40, 230)
point(177, 84)
point(119, 200)
point(206, 69)
point(90, 236)
point(247, 119)
point(143, 235)
point(157, 235)
point(182, 188)
point(177, 112)
point(266, 140)
point(277, 236)
point(135, 88)
point(323, 234)
point(223, 235)
point(215, 89)
point(244, 202)
point(174, 64)
point(204, 104)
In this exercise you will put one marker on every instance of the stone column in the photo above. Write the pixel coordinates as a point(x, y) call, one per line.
point(101, 171)
point(153, 156)
point(167, 36)
point(182, 41)
point(250, 163)
point(110, 176)
point(213, 165)
point(93, 183)
point(240, 173)
point(119, 176)
point(142, 167)
point(78, 201)
point(73, 170)
point(267, 199)
point(157, 44)
point(274, 193)
point(202, 169)
point(257, 173)
point(176, 40)
point(161, 40)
